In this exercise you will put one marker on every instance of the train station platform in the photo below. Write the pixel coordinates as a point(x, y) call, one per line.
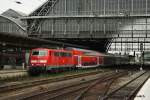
point(12, 73)
point(144, 93)
point(10, 67)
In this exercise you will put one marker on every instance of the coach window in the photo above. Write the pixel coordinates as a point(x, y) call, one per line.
point(64, 54)
point(61, 54)
point(56, 54)
point(69, 54)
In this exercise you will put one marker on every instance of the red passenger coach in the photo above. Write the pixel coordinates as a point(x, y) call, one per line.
point(42, 59)
point(89, 61)
point(84, 58)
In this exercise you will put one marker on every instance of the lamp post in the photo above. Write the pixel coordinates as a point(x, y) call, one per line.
point(141, 60)
point(2, 59)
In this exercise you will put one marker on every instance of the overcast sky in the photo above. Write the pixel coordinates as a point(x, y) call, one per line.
point(26, 6)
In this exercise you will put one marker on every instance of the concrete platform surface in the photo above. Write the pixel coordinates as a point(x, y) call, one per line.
point(5, 74)
point(144, 93)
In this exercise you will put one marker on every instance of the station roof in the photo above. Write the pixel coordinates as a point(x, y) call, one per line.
point(14, 14)
point(15, 21)
point(29, 42)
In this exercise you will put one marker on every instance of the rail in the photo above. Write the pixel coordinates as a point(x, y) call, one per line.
point(130, 94)
point(85, 84)
point(28, 84)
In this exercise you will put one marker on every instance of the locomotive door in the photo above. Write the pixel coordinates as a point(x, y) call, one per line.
point(77, 60)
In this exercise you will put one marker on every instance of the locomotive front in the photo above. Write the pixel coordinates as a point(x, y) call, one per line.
point(38, 61)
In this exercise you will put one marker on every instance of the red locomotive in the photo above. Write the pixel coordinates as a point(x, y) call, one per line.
point(42, 59)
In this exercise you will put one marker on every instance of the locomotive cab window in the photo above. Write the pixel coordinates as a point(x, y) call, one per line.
point(39, 52)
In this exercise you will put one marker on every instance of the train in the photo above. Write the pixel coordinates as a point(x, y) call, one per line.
point(55, 60)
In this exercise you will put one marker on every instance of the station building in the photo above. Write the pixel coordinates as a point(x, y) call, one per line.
point(103, 25)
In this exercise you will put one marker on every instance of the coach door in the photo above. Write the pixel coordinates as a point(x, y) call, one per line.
point(79, 61)
point(55, 59)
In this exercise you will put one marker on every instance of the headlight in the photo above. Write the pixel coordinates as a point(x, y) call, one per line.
point(33, 61)
point(43, 61)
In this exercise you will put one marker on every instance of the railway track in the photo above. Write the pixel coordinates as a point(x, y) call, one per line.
point(86, 91)
point(109, 80)
point(67, 90)
point(19, 86)
point(101, 87)
point(94, 89)
point(106, 91)
point(128, 90)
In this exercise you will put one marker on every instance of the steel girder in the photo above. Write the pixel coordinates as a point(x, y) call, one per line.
point(42, 11)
